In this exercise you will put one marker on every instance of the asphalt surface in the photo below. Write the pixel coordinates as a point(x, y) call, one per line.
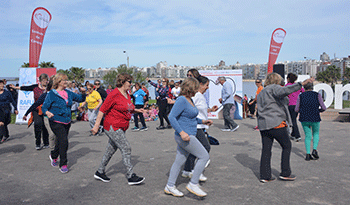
point(26, 176)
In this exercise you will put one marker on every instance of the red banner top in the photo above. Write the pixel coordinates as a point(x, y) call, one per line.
point(277, 39)
point(40, 20)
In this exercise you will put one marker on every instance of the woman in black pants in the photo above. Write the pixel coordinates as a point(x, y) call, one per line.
point(273, 120)
point(163, 94)
point(5, 111)
point(40, 130)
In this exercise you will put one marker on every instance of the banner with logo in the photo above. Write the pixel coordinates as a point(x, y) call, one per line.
point(212, 95)
point(277, 39)
point(27, 76)
point(49, 71)
point(40, 20)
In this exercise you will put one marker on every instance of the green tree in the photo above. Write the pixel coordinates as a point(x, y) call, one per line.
point(110, 77)
point(25, 65)
point(46, 65)
point(66, 72)
point(77, 74)
point(346, 76)
point(330, 75)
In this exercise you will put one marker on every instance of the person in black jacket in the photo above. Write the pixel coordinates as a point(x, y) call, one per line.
point(5, 113)
point(100, 90)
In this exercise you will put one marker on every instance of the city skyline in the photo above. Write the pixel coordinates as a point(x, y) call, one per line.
point(92, 34)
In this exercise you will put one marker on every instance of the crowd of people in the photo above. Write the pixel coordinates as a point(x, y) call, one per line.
point(182, 105)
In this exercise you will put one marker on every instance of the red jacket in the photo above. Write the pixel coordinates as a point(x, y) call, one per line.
point(117, 110)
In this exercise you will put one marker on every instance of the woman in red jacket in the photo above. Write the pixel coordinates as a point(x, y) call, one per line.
point(117, 109)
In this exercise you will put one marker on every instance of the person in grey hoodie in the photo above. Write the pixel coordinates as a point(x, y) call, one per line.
point(273, 120)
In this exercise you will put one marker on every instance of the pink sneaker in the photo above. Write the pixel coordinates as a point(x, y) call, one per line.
point(64, 169)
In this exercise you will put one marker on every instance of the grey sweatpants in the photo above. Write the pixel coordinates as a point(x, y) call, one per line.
point(229, 122)
point(117, 140)
point(184, 148)
point(52, 136)
point(92, 115)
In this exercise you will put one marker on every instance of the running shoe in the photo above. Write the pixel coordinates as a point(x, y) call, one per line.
point(315, 154)
point(4, 139)
point(103, 177)
point(186, 174)
point(64, 169)
point(226, 130)
point(38, 147)
point(144, 129)
point(46, 146)
point(195, 189)
point(135, 129)
point(160, 128)
point(134, 179)
point(53, 161)
point(267, 180)
point(289, 178)
point(173, 191)
point(169, 127)
point(234, 129)
point(298, 139)
point(308, 157)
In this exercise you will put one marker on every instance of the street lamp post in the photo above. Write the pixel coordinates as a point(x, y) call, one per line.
point(127, 58)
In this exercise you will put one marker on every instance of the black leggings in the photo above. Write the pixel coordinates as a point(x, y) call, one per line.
point(5, 117)
point(138, 115)
point(163, 112)
point(61, 146)
point(282, 137)
point(40, 129)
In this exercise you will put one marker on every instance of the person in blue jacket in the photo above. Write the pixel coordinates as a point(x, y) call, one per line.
point(139, 102)
point(57, 107)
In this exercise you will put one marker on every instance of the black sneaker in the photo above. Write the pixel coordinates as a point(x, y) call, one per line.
point(134, 179)
point(160, 128)
point(101, 177)
point(289, 178)
point(169, 127)
point(267, 180)
point(308, 157)
point(315, 154)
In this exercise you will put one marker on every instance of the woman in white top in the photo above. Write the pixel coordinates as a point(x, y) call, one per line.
point(201, 104)
point(175, 91)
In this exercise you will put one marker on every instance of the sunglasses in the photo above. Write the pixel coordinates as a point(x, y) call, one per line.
point(97, 83)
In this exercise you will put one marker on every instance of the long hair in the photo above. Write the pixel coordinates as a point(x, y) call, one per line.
point(57, 79)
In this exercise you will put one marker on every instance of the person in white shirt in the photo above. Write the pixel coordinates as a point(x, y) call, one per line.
point(201, 104)
point(175, 91)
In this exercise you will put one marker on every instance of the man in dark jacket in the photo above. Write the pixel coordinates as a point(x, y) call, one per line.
point(100, 90)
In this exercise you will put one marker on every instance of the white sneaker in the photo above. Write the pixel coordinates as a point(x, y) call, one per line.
point(226, 130)
point(173, 191)
point(195, 189)
point(202, 178)
point(234, 129)
point(186, 174)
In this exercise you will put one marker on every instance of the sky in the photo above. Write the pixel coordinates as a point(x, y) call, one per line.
point(93, 34)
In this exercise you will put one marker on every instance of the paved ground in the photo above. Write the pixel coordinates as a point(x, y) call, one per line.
point(26, 176)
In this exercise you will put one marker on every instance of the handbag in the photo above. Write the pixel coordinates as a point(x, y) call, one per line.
point(212, 140)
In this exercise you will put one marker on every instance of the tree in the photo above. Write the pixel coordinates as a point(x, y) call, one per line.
point(330, 75)
point(77, 74)
point(110, 77)
point(74, 73)
point(46, 64)
point(25, 65)
point(346, 76)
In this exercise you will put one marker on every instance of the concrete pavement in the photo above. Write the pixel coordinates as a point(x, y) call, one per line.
point(26, 176)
